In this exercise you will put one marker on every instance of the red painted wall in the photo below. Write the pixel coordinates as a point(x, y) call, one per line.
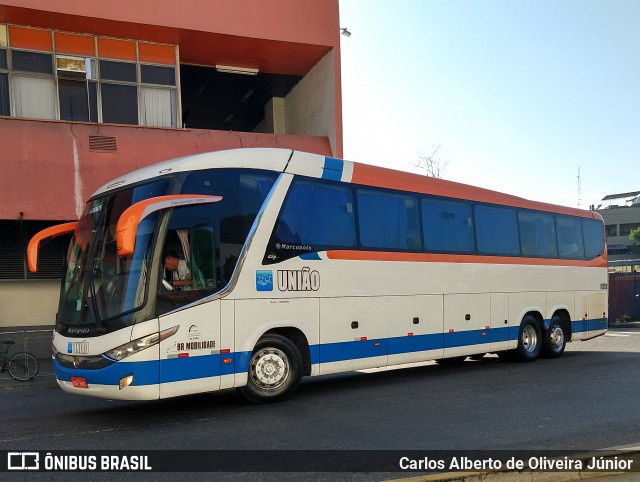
point(278, 36)
point(41, 175)
point(282, 36)
point(621, 296)
point(300, 21)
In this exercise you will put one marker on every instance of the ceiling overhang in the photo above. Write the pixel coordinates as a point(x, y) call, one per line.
point(196, 47)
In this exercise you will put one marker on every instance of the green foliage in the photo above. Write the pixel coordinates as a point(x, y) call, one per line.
point(626, 319)
point(634, 235)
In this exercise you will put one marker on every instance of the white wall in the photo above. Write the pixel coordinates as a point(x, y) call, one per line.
point(28, 303)
point(310, 107)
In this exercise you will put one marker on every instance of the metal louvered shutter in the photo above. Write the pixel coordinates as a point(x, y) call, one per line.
point(14, 238)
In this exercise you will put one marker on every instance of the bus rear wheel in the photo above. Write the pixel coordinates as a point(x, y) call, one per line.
point(275, 370)
point(555, 339)
point(529, 340)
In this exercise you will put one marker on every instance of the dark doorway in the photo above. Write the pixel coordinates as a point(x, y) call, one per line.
point(228, 102)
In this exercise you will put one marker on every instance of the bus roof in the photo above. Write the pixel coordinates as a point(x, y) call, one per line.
point(317, 166)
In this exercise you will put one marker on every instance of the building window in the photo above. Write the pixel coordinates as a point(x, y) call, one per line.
point(77, 92)
point(158, 103)
point(76, 83)
point(4, 84)
point(33, 85)
point(611, 229)
point(34, 96)
point(625, 229)
point(119, 104)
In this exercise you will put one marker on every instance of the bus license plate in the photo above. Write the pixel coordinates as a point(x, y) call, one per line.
point(79, 382)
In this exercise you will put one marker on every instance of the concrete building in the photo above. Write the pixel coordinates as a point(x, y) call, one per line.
point(91, 90)
point(621, 213)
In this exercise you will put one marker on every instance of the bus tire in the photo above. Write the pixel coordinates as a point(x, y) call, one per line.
point(506, 356)
point(275, 370)
point(529, 340)
point(555, 339)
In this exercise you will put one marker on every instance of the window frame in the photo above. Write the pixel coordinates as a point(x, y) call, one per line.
point(444, 199)
point(477, 225)
point(391, 192)
point(94, 82)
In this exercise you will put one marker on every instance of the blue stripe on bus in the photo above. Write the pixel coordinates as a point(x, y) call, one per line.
point(598, 324)
point(310, 257)
point(188, 368)
point(579, 326)
point(350, 350)
point(332, 169)
point(145, 373)
point(178, 369)
point(410, 344)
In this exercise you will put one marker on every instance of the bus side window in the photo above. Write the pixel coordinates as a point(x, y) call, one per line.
point(570, 240)
point(316, 215)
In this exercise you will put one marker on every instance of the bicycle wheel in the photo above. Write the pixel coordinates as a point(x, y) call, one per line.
point(23, 366)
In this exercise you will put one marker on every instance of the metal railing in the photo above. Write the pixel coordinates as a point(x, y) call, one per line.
point(36, 342)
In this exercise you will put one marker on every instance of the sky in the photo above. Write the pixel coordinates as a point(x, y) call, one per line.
point(518, 94)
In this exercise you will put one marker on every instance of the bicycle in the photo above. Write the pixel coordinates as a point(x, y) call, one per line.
point(22, 366)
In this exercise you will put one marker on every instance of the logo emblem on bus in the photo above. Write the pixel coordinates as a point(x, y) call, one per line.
point(298, 280)
point(264, 280)
point(78, 347)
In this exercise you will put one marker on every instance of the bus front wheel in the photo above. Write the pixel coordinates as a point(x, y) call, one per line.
point(275, 370)
point(529, 340)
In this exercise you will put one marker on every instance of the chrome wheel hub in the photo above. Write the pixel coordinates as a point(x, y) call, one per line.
point(529, 338)
point(556, 337)
point(269, 368)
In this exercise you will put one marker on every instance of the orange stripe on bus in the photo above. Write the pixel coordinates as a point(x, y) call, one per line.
point(30, 38)
point(405, 181)
point(600, 262)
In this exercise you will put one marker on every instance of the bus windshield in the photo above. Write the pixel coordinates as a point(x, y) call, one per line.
point(103, 291)
point(99, 288)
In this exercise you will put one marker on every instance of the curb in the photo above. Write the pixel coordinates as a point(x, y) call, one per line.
point(44, 381)
point(630, 324)
point(538, 476)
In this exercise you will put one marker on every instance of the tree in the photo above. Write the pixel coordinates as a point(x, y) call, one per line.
point(432, 165)
point(634, 236)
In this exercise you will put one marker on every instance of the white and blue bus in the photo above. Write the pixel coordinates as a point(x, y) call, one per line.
point(303, 265)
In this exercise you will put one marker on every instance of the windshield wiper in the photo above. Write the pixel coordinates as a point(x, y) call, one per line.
point(92, 292)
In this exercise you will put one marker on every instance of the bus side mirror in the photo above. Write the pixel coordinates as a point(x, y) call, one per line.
point(127, 225)
point(48, 233)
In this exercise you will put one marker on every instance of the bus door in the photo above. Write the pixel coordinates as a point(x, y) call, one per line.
point(190, 359)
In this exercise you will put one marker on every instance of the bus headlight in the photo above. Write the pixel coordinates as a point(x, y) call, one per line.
point(123, 351)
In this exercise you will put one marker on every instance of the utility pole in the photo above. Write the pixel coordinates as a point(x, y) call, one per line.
point(579, 188)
